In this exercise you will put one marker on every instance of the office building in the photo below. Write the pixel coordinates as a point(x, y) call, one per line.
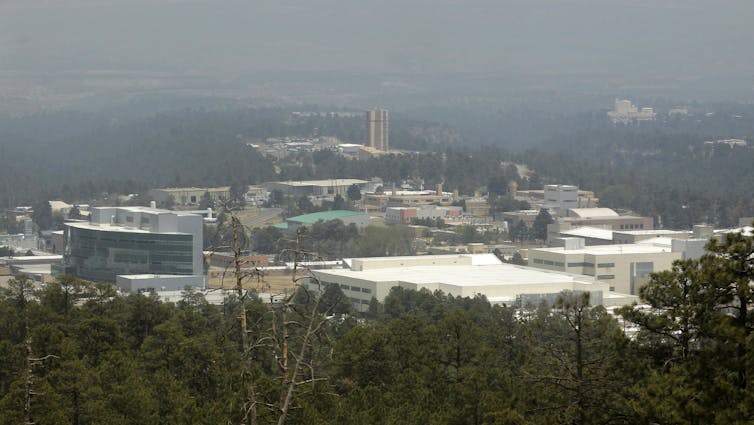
point(625, 267)
point(133, 241)
point(378, 129)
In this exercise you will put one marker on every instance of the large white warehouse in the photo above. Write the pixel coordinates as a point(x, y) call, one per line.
point(463, 275)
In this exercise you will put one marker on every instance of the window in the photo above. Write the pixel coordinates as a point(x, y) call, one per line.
point(548, 262)
point(366, 290)
point(193, 199)
point(345, 287)
point(605, 264)
point(605, 276)
point(130, 219)
point(537, 261)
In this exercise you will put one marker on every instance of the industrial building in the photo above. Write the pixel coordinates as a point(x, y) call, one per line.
point(194, 195)
point(465, 275)
point(133, 240)
point(601, 217)
point(329, 187)
point(407, 198)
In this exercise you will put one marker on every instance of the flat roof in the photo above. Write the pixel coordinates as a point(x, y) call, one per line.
point(647, 248)
point(324, 216)
point(117, 228)
point(32, 258)
point(484, 270)
point(324, 183)
point(159, 276)
point(746, 230)
point(185, 189)
point(589, 232)
point(149, 210)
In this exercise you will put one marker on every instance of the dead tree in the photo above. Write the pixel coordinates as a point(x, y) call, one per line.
point(289, 337)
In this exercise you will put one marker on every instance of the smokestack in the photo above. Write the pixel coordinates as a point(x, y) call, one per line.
point(152, 204)
point(438, 189)
point(209, 213)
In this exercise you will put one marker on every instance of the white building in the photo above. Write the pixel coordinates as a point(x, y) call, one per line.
point(561, 197)
point(465, 275)
point(156, 282)
point(625, 267)
point(625, 112)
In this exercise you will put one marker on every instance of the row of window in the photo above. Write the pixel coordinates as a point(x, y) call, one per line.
point(584, 264)
point(548, 262)
point(355, 289)
point(605, 276)
point(631, 226)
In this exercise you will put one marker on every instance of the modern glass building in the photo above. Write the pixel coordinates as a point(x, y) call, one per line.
point(127, 241)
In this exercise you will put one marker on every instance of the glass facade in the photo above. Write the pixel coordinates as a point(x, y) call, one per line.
point(100, 255)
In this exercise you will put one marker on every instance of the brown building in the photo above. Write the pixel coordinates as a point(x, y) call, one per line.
point(477, 207)
point(378, 129)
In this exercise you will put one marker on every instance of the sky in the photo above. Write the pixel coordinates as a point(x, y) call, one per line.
point(227, 38)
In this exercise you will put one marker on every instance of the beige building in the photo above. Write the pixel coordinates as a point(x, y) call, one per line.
point(190, 195)
point(464, 275)
point(378, 129)
point(193, 195)
point(407, 198)
point(477, 207)
point(625, 267)
point(330, 187)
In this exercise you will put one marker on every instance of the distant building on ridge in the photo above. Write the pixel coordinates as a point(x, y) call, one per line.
point(378, 129)
point(625, 112)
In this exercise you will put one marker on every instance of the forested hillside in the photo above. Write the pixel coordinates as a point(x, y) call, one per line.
point(661, 169)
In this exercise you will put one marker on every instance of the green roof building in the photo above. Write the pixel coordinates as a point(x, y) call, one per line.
point(360, 219)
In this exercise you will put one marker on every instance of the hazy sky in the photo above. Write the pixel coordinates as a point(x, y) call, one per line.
point(228, 38)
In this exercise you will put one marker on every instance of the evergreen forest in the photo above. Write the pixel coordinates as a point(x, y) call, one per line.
point(76, 353)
